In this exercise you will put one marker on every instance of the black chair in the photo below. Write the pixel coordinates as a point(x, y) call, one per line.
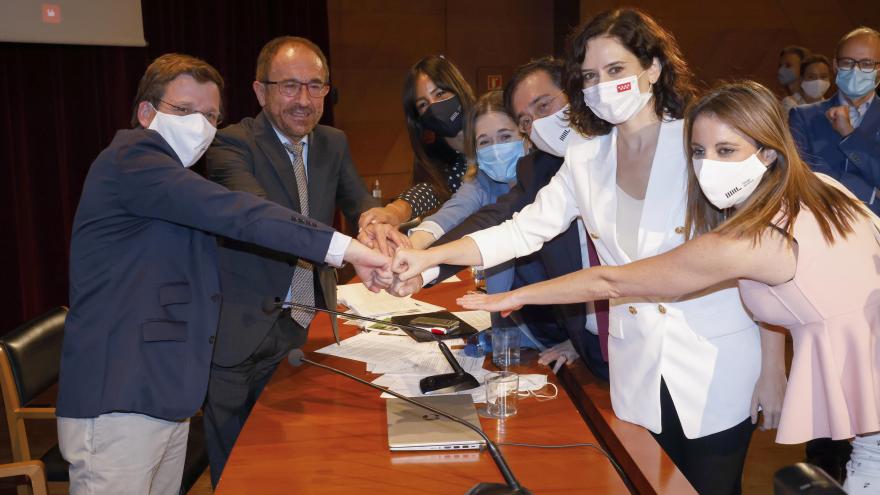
point(30, 358)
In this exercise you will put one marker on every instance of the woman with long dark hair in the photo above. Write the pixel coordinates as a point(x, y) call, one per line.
point(436, 99)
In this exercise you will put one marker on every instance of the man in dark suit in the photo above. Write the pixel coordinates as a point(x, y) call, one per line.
point(840, 136)
point(534, 94)
point(144, 289)
point(282, 155)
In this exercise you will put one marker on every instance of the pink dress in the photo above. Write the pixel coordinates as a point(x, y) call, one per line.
point(832, 309)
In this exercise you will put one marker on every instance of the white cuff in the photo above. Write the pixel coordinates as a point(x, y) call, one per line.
point(430, 275)
point(336, 252)
point(430, 227)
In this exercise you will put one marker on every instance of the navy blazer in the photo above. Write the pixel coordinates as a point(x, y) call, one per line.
point(144, 289)
point(854, 160)
point(249, 157)
point(560, 256)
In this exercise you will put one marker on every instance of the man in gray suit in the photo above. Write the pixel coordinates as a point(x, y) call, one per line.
point(282, 155)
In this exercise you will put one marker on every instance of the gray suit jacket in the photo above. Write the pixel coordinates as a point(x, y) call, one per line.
point(248, 156)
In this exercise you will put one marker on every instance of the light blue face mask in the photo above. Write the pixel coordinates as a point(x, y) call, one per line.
point(855, 83)
point(499, 160)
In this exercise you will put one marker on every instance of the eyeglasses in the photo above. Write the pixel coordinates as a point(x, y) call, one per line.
point(213, 118)
point(291, 87)
point(864, 65)
point(536, 110)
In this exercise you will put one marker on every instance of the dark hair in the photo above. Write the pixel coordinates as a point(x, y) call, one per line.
point(552, 66)
point(814, 58)
point(859, 31)
point(642, 36)
point(797, 50)
point(788, 185)
point(447, 77)
point(270, 49)
point(167, 68)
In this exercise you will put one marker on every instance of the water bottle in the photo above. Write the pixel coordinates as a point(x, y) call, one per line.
point(377, 190)
point(479, 344)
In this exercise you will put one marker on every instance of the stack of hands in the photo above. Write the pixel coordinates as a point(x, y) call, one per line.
point(402, 276)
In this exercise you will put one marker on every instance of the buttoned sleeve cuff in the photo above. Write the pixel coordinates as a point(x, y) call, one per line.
point(430, 227)
point(336, 252)
point(430, 275)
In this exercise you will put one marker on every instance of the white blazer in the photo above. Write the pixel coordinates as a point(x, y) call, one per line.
point(705, 346)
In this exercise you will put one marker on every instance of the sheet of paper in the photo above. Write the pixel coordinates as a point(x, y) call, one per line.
point(408, 385)
point(426, 363)
point(453, 278)
point(376, 305)
point(480, 320)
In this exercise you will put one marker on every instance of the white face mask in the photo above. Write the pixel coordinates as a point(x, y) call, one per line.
point(552, 134)
point(616, 101)
point(816, 88)
point(188, 135)
point(728, 184)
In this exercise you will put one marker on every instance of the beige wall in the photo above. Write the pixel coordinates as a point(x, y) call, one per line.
point(374, 43)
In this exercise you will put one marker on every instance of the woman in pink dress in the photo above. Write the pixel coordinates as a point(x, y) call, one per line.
point(806, 254)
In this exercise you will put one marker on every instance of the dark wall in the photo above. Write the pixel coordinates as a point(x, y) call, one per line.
point(60, 106)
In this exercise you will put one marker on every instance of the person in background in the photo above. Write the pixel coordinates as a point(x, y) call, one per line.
point(840, 136)
point(815, 82)
point(689, 369)
point(436, 98)
point(144, 290)
point(285, 156)
point(534, 96)
point(789, 73)
point(759, 215)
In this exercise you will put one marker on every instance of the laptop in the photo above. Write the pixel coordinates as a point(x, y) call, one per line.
point(412, 428)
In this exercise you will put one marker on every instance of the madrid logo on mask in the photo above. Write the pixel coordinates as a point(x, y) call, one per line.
point(624, 87)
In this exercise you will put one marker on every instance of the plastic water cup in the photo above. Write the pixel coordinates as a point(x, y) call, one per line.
point(501, 394)
point(505, 347)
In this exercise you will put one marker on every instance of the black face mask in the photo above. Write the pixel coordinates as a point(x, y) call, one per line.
point(445, 117)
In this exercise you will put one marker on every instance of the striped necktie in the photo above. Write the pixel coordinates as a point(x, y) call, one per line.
point(302, 284)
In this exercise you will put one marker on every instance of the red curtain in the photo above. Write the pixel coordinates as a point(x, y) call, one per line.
point(60, 106)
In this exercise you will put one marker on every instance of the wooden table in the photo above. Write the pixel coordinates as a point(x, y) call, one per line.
point(313, 431)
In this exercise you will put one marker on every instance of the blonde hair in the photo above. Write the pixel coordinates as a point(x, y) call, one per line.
point(786, 187)
point(490, 102)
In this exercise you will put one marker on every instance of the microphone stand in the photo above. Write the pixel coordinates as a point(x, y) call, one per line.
point(457, 381)
point(512, 486)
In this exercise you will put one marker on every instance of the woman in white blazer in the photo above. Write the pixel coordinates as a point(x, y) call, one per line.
point(684, 368)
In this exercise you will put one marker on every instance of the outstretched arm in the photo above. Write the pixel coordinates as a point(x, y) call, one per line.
point(695, 265)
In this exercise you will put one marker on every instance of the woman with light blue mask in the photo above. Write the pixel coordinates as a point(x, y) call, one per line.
point(493, 144)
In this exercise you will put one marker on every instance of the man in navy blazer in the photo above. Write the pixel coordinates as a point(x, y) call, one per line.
point(840, 136)
point(534, 91)
point(144, 289)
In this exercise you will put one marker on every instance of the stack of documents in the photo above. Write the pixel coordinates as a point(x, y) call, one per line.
point(402, 361)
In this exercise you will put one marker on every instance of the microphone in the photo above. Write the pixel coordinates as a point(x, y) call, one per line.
point(457, 381)
point(511, 487)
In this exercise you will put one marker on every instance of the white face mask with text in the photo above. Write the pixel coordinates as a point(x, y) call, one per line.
point(728, 184)
point(616, 101)
point(553, 134)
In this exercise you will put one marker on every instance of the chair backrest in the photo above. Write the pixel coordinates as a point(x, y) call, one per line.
point(34, 353)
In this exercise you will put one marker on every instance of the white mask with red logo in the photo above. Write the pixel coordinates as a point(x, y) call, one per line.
point(616, 101)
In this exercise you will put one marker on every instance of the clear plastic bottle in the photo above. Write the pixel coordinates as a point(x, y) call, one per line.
point(377, 190)
point(479, 344)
